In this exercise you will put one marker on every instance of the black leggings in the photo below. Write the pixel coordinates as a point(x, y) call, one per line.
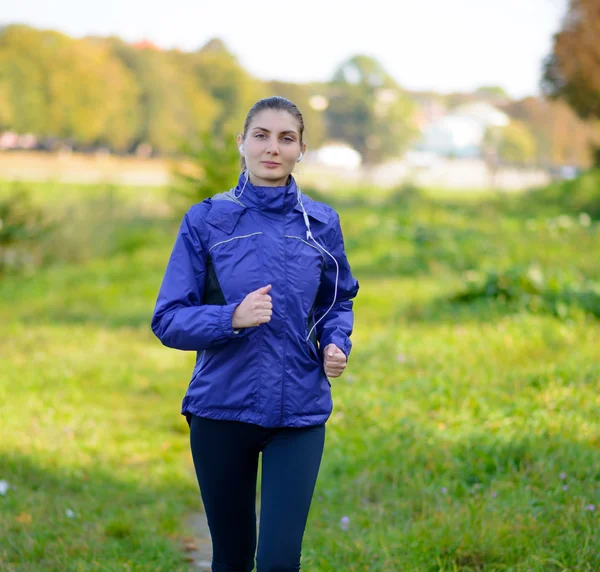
point(225, 456)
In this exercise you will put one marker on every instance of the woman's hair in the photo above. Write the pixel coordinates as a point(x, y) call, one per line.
point(276, 103)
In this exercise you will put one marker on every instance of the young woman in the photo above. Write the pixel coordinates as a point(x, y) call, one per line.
point(258, 284)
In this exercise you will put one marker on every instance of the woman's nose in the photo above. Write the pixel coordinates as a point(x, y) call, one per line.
point(273, 146)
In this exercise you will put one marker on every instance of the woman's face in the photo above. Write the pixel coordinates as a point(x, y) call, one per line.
point(271, 147)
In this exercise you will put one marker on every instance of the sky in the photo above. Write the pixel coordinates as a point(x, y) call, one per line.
point(425, 45)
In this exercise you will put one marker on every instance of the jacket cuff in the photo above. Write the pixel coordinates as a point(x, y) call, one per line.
point(225, 322)
point(342, 342)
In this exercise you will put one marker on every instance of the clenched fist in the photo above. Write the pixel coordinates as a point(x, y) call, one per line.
point(334, 361)
point(254, 310)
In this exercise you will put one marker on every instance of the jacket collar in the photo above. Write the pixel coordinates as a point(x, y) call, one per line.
point(281, 199)
point(227, 207)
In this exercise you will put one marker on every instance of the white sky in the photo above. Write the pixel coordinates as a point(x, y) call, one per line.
point(439, 45)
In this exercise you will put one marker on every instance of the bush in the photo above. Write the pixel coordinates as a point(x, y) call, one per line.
point(210, 166)
point(528, 288)
point(575, 196)
point(23, 226)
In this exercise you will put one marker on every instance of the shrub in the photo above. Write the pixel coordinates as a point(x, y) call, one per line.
point(23, 226)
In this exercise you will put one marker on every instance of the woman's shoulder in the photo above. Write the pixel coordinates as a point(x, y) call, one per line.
point(221, 210)
point(320, 210)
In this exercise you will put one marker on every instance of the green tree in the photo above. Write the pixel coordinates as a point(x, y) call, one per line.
point(368, 110)
point(65, 88)
point(234, 90)
point(171, 105)
point(562, 138)
point(513, 144)
point(210, 165)
point(494, 91)
point(572, 70)
point(23, 81)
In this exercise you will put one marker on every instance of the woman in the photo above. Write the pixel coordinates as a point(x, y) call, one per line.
point(259, 286)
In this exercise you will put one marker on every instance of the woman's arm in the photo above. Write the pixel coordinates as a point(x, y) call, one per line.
point(336, 326)
point(180, 319)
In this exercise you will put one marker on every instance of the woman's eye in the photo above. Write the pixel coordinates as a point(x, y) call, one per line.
point(259, 135)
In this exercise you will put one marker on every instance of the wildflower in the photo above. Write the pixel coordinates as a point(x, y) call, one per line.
point(345, 522)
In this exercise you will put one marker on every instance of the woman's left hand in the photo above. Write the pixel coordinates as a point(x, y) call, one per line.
point(334, 361)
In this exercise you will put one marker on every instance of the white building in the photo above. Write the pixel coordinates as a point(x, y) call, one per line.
point(336, 154)
point(460, 132)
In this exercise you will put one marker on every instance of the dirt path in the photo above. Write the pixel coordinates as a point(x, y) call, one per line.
point(199, 549)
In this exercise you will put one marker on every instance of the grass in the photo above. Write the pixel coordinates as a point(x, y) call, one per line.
point(464, 437)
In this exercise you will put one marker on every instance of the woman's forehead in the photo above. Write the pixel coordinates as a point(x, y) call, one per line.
point(275, 120)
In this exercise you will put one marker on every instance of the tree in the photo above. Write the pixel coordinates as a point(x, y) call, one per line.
point(562, 138)
point(211, 165)
point(64, 88)
point(572, 70)
point(172, 105)
point(234, 90)
point(513, 144)
point(368, 110)
point(493, 91)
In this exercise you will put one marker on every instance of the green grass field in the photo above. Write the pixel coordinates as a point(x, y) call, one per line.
point(465, 435)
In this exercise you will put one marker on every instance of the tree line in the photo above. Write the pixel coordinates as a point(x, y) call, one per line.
point(104, 92)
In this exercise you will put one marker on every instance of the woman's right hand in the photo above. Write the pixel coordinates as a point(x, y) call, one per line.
point(254, 310)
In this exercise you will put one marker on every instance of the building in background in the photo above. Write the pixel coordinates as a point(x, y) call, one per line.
point(460, 132)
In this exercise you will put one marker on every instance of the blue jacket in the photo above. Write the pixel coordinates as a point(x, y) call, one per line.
point(270, 375)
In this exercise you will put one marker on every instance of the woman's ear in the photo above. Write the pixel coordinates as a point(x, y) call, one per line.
point(302, 151)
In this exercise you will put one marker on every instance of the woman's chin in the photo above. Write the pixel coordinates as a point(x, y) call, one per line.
point(273, 177)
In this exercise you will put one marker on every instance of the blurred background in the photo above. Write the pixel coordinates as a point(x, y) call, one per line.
point(460, 143)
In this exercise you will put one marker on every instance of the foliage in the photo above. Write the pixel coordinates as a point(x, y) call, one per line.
point(530, 289)
point(572, 70)
point(58, 87)
point(579, 197)
point(513, 143)
point(22, 228)
point(230, 86)
point(38, 229)
point(561, 137)
point(172, 106)
point(462, 438)
point(211, 166)
point(495, 91)
point(369, 111)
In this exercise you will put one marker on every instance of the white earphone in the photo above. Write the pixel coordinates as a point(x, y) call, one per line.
point(309, 236)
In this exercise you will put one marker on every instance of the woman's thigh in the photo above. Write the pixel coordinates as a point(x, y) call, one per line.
point(225, 455)
point(290, 465)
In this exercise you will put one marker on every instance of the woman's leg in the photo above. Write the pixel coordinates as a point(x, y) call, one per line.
point(225, 457)
point(290, 465)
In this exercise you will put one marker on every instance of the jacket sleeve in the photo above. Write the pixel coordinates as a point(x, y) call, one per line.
point(180, 320)
point(336, 326)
